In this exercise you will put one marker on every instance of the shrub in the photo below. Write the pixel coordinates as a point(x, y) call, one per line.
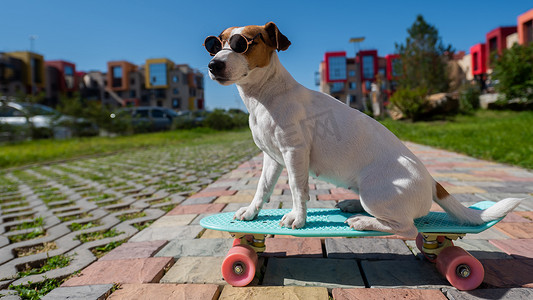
point(513, 73)
point(411, 102)
point(469, 98)
point(222, 120)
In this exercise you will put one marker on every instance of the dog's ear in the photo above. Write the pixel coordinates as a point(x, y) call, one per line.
point(277, 40)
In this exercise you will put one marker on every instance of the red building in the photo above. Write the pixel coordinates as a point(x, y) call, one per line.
point(478, 54)
point(335, 63)
point(392, 59)
point(496, 40)
point(66, 75)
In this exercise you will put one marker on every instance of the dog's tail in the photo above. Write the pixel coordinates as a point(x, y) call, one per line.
point(472, 216)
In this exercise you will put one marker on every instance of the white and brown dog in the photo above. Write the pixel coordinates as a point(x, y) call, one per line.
point(311, 133)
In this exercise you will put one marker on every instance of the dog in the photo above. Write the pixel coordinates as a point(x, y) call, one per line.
point(313, 134)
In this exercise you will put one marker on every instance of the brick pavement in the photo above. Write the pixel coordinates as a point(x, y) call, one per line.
point(175, 258)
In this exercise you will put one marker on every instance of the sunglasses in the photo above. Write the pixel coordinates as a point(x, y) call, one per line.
point(238, 43)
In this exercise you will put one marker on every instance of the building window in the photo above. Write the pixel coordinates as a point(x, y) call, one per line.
point(133, 94)
point(159, 103)
point(117, 76)
point(475, 61)
point(395, 67)
point(132, 81)
point(337, 87)
point(528, 31)
point(353, 85)
point(158, 74)
point(176, 102)
point(175, 91)
point(352, 99)
point(175, 79)
point(192, 92)
point(351, 73)
point(160, 93)
point(368, 67)
point(337, 68)
point(69, 77)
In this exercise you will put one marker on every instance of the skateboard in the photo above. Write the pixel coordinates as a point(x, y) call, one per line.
point(437, 231)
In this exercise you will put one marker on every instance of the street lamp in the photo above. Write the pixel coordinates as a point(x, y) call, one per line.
point(33, 37)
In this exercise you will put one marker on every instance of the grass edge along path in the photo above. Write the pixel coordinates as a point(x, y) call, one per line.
point(43, 151)
point(501, 136)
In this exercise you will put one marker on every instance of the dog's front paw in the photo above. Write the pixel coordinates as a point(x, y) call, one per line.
point(246, 213)
point(294, 219)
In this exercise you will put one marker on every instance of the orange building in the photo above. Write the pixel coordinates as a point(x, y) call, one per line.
point(525, 27)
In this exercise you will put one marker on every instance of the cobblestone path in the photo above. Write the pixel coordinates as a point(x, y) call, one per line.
point(82, 209)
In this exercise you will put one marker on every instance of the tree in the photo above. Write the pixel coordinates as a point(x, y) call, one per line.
point(513, 72)
point(423, 58)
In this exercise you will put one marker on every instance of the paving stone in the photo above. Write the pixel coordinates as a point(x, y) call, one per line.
point(526, 214)
point(481, 249)
point(197, 247)
point(173, 221)
point(501, 294)
point(213, 193)
point(140, 270)
point(195, 270)
point(513, 217)
point(166, 292)
point(196, 201)
point(368, 249)
point(376, 293)
point(132, 250)
point(235, 199)
point(319, 272)
point(233, 207)
point(517, 230)
point(196, 209)
point(167, 233)
point(274, 292)
point(508, 273)
point(292, 247)
point(97, 292)
point(489, 234)
point(215, 234)
point(402, 274)
point(517, 248)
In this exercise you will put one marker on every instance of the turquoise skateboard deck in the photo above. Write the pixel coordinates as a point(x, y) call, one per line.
point(330, 223)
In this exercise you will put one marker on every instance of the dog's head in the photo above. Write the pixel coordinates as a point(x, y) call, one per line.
point(239, 50)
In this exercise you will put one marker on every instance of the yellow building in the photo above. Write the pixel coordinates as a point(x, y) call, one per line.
point(33, 73)
point(157, 72)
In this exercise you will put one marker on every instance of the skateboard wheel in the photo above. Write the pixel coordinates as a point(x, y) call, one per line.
point(236, 242)
point(420, 245)
point(461, 269)
point(238, 268)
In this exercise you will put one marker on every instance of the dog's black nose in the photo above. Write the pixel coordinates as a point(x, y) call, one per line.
point(216, 67)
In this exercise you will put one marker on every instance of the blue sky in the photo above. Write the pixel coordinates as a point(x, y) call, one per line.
point(90, 33)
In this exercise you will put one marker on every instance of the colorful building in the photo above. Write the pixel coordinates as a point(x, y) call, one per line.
point(33, 71)
point(525, 27)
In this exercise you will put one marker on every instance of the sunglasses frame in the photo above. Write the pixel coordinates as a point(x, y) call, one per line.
point(248, 42)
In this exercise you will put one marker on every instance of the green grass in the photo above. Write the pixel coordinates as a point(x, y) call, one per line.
point(37, 233)
point(38, 222)
point(54, 262)
point(501, 136)
point(30, 152)
point(98, 235)
point(34, 291)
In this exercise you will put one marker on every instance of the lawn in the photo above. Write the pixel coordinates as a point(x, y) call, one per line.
point(501, 136)
point(39, 151)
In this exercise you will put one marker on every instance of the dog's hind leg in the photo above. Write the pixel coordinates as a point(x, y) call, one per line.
point(404, 228)
point(269, 176)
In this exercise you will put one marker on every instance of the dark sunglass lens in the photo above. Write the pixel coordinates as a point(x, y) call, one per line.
point(213, 45)
point(238, 43)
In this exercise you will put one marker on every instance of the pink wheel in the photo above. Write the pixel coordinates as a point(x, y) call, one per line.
point(461, 269)
point(236, 242)
point(238, 268)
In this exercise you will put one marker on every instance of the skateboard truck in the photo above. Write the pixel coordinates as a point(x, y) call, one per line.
point(255, 241)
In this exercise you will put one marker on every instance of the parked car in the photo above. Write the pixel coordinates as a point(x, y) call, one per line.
point(190, 119)
point(19, 121)
point(147, 118)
